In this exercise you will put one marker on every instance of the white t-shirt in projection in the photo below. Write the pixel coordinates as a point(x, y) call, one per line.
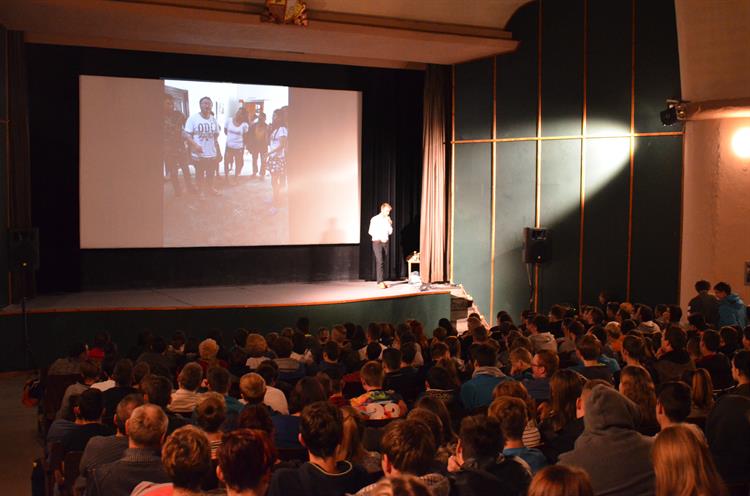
point(235, 134)
point(276, 141)
point(204, 132)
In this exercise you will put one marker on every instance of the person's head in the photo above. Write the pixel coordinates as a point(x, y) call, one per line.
point(392, 359)
point(339, 334)
point(123, 373)
point(307, 391)
point(516, 389)
point(437, 406)
point(331, 352)
point(722, 290)
point(683, 463)
point(190, 376)
point(637, 385)
point(480, 437)
point(218, 380)
point(520, 359)
point(538, 324)
point(702, 389)
point(246, 457)
point(544, 364)
point(408, 353)
point(440, 378)
point(140, 370)
point(400, 485)
point(253, 388)
point(211, 412)
point(125, 408)
point(89, 371)
point(710, 342)
point(431, 420)
point(566, 387)
point(701, 286)
point(589, 348)
point(146, 426)
point(256, 416)
point(454, 346)
point(741, 366)
point(511, 414)
point(90, 405)
point(206, 105)
point(208, 349)
point(321, 428)
point(269, 371)
point(283, 347)
point(408, 447)
point(256, 345)
point(186, 456)
point(673, 403)
point(157, 390)
point(561, 480)
point(385, 209)
point(484, 355)
point(439, 350)
point(372, 375)
point(351, 448)
point(675, 339)
point(645, 313)
point(729, 337)
point(586, 392)
point(746, 338)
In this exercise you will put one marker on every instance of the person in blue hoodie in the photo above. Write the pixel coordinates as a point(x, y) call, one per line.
point(732, 310)
point(477, 391)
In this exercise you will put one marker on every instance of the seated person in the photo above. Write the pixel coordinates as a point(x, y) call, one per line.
point(89, 375)
point(400, 374)
point(290, 370)
point(673, 403)
point(146, 429)
point(275, 397)
point(673, 357)
point(321, 431)
point(246, 458)
point(377, 403)
point(479, 467)
point(123, 377)
point(477, 392)
point(187, 461)
point(543, 365)
point(511, 414)
point(218, 381)
point(88, 415)
point(157, 390)
point(409, 448)
point(741, 373)
point(187, 397)
point(287, 427)
point(520, 364)
point(715, 362)
point(588, 349)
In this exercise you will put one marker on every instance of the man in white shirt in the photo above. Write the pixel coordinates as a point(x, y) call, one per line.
point(381, 227)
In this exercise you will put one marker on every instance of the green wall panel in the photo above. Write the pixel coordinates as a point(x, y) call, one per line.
point(561, 214)
point(562, 67)
point(514, 210)
point(657, 200)
point(474, 100)
point(472, 221)
point(605, 225)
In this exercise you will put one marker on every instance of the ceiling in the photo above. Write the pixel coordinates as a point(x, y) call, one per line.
point(381, 33)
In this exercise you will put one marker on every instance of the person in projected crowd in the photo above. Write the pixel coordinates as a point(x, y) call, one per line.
point(277, 157)
point(381, 227)
point(234, 153)
point(204, 130)
point(257, 144)
point(175, 153)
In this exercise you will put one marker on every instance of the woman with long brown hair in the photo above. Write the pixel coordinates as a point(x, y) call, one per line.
point(560, 425)
point(636, 384)
point(531, 436)
point(702, 394)
point(561, 480)
point(683, 464)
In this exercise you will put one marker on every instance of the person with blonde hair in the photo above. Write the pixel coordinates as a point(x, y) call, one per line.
point(636, 384)
point(257, 349)
point(208, 350)
point(561, 480)
point(683, 464)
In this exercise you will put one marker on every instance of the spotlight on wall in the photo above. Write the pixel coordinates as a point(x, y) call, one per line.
point(741, 142)
point(676, 111)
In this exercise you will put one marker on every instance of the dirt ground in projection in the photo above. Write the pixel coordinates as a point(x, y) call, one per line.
point(243, 208)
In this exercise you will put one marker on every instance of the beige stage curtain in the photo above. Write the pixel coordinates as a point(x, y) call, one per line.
point(433, 226)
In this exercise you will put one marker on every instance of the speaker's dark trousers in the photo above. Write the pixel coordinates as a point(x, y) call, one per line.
point(380, 250)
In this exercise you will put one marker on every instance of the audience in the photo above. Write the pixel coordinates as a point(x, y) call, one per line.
point(387, 400)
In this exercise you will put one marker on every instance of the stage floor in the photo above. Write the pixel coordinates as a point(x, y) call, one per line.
point(246, 296)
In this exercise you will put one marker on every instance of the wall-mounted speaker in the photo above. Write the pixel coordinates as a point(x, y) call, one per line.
point(24, 249)
point(535, 245)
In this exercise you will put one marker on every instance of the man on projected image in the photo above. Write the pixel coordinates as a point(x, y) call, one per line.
point(257, 145)
point(381, 227)
point(175, 153)
point(277, 157)
point(204, 130)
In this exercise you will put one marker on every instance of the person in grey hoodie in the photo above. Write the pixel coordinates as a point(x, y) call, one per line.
point(540, 337)
point(614, 454)
point(732, 310)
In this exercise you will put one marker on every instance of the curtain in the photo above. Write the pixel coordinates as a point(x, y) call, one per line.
point(433, 232)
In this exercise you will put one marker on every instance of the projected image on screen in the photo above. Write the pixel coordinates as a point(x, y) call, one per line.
point(189, 163)
point(211, 131)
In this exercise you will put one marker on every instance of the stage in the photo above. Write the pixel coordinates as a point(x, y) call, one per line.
point(56, 320)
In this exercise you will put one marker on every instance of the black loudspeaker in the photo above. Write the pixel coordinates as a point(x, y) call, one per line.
point(24, 249)
point(535, 244)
